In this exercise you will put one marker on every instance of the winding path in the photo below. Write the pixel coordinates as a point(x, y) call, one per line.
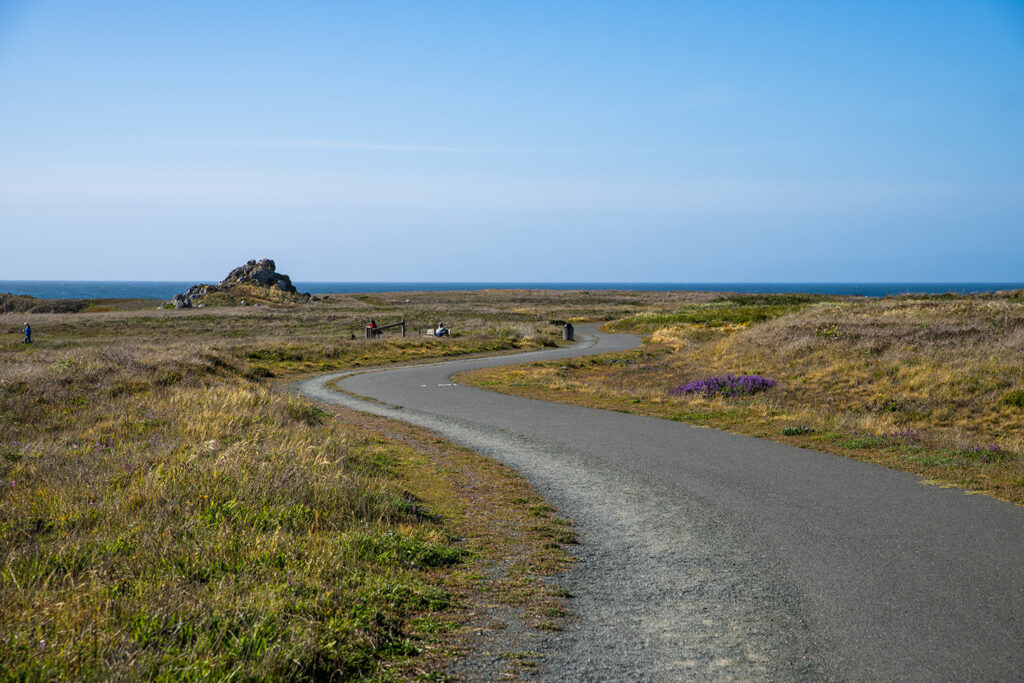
point(708, 555)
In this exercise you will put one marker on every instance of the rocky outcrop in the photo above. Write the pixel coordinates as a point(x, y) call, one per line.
point(249, 279)
point(263, 273)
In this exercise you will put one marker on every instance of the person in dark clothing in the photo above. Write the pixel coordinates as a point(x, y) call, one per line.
point(28, 334)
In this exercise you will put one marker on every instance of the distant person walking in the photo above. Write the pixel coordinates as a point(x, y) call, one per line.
point(28, 333)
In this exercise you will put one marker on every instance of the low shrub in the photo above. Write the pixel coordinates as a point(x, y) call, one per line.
point(728, 386)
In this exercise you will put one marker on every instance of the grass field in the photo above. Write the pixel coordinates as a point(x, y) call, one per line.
point(165, 514)
point(931, 385)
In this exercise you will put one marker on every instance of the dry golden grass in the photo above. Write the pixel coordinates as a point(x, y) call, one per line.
point(164, 514)
point(205, 529)
point(932, 385)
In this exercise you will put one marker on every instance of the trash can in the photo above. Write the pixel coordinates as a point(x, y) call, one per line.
point(567, 332)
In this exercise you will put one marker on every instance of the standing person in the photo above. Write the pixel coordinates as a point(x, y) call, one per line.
point(28, 333)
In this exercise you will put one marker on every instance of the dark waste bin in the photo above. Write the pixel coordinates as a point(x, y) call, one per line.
point(567, 332)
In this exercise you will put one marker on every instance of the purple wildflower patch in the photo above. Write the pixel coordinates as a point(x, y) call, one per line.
point(991, 453)
point(905, 437)
point(728, 386)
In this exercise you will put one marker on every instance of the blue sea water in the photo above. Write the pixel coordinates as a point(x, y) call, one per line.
point(56, 289)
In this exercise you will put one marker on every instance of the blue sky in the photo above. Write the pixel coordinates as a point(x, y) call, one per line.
point(513, 141)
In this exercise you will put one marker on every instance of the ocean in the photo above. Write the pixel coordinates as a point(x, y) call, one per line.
point(47, 289)
point(57, 289)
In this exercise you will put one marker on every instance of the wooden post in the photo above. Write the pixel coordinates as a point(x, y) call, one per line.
point(372, 332)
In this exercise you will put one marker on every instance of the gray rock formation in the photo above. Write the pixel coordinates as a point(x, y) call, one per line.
point(262, 273)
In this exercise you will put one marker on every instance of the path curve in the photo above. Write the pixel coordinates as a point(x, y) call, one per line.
point(708, 555)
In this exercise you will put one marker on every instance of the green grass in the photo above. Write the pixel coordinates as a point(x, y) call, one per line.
point(165, 515)
point(698, 417)
point(216, 529)
point(1015, 398)
point(796, 431)
point(734, 311)
point(200, 535)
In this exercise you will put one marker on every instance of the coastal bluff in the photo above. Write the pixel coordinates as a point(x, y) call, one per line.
point(254, 282)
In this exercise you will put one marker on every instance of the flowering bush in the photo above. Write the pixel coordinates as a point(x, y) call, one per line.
point(728, 386)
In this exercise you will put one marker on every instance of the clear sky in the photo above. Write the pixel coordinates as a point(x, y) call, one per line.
point(513, 141)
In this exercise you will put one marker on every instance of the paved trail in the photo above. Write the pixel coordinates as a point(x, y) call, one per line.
point(707, 555)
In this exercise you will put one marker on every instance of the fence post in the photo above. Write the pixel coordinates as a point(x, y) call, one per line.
point(373, 332)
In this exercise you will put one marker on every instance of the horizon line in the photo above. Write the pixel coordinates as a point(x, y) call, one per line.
point(583, 282)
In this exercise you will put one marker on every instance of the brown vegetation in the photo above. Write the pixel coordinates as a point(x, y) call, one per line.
point(19, 303)
point(931, 385)
point(164, 514)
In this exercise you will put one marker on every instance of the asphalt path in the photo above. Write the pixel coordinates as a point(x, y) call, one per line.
point(709, 555)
